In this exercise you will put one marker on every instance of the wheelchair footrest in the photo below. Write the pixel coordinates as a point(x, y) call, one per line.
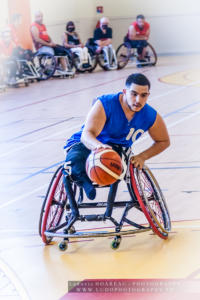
point(92, 218)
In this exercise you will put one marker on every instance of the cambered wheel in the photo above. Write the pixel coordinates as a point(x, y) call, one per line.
point(45, 65)
point(151, 200)
point(53, 205)
point(123, 54)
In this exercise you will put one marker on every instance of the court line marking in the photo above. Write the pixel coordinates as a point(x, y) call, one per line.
point(38, 141)
point(97, 85)
point(13, 277)
point(37, 130)
point(41, 187)
point(165, 116)
point(79, 125)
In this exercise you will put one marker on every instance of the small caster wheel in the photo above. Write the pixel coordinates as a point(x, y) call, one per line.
point(72, 230)
point(26, 83)
point(63, 246)
point(115, 245)
point(116, 242)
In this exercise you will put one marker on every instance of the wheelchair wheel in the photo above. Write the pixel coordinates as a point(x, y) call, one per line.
point(106, 67)
point(94, 61)
point(53, 205)
point(45, 65)
point(123, 54)
point(151, 55)
point(151, 200)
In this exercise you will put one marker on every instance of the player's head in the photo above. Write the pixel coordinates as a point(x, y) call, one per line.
point(70, 26)
point(140, 19)
point(136, 91)
point(104, 23)
point(38, 17)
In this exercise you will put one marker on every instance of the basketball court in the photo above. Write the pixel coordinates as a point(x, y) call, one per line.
point(35, 123)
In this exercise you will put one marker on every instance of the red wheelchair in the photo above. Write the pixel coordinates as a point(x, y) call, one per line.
point(61, 209)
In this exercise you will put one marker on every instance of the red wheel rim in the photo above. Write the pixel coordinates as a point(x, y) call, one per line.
point(52, 218)
point(143, 207)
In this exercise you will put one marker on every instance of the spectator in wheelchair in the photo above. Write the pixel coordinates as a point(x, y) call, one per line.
point(43, 42)
point(72, 41)
point(8, 61)
point(103, 39)
point(138, 35)
point(116, 119)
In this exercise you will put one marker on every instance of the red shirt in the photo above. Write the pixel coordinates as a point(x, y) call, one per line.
point(141, 31)
point(43, 35)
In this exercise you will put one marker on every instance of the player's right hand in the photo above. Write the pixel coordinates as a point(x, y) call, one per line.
point(103, 146)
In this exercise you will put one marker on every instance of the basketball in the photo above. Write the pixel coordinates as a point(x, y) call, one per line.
point(104, 166)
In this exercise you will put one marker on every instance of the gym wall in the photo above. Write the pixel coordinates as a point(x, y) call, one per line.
point(174, 23)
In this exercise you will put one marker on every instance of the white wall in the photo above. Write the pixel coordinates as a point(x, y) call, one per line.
point(175, 24)
point(3, 13)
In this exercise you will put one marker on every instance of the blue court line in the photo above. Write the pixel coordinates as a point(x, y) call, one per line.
point(165, 116)
point(37, 130)
point(37, 173)
point(180, 109)
point(172, 168)
point(11, 123)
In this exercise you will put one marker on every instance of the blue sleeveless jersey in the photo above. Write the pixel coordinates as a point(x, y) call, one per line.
point(117, 129)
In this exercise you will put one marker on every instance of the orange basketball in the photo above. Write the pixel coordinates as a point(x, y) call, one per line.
point(104, 166)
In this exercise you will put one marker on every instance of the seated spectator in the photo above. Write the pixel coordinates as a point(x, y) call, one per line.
point(103, 35)
point(7, 47)
point(71, 40)
point(138, 35)
point(43, 42)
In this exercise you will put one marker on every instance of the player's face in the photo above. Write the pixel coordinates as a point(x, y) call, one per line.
point(136, 96)
point(140, 22)
point(39, 18)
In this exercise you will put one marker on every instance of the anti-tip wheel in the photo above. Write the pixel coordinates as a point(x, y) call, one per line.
point(63, 246)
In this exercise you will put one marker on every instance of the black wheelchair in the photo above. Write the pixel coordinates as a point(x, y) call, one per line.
point(125, 53)
point(106, 59)
point(65, 199)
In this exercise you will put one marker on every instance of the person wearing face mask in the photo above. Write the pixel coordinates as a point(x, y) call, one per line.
point(103, 35)
point(103, 41)
point(138, 35)
point(71, 40)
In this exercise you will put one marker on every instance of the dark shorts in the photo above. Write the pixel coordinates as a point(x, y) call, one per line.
point(77, 156)
point(140, 44)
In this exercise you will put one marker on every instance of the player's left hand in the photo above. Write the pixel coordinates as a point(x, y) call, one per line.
point(138, 161)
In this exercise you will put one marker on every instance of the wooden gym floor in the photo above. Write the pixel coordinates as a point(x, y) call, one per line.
point(35, 122)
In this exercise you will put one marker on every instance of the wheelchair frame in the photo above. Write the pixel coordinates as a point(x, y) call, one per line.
point(131, 56)
point(161, 224)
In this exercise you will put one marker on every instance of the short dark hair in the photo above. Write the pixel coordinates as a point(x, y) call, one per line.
point(140, 17)
point(137, 78)
point(70, 23)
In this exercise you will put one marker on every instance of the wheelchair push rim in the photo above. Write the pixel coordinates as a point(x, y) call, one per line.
point(151, 200)
point(123, 54)
point(53, 205)
point(45, 64)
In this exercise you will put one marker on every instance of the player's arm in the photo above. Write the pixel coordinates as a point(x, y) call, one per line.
point(147, 34)
point(35, 33)
point(159, 134)
point(134, 36)
point(94, 124)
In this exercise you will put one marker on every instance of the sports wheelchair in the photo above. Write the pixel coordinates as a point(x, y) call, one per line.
point(61, 209)
point(125, 53)
point(88, 66)
point(106, 58)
